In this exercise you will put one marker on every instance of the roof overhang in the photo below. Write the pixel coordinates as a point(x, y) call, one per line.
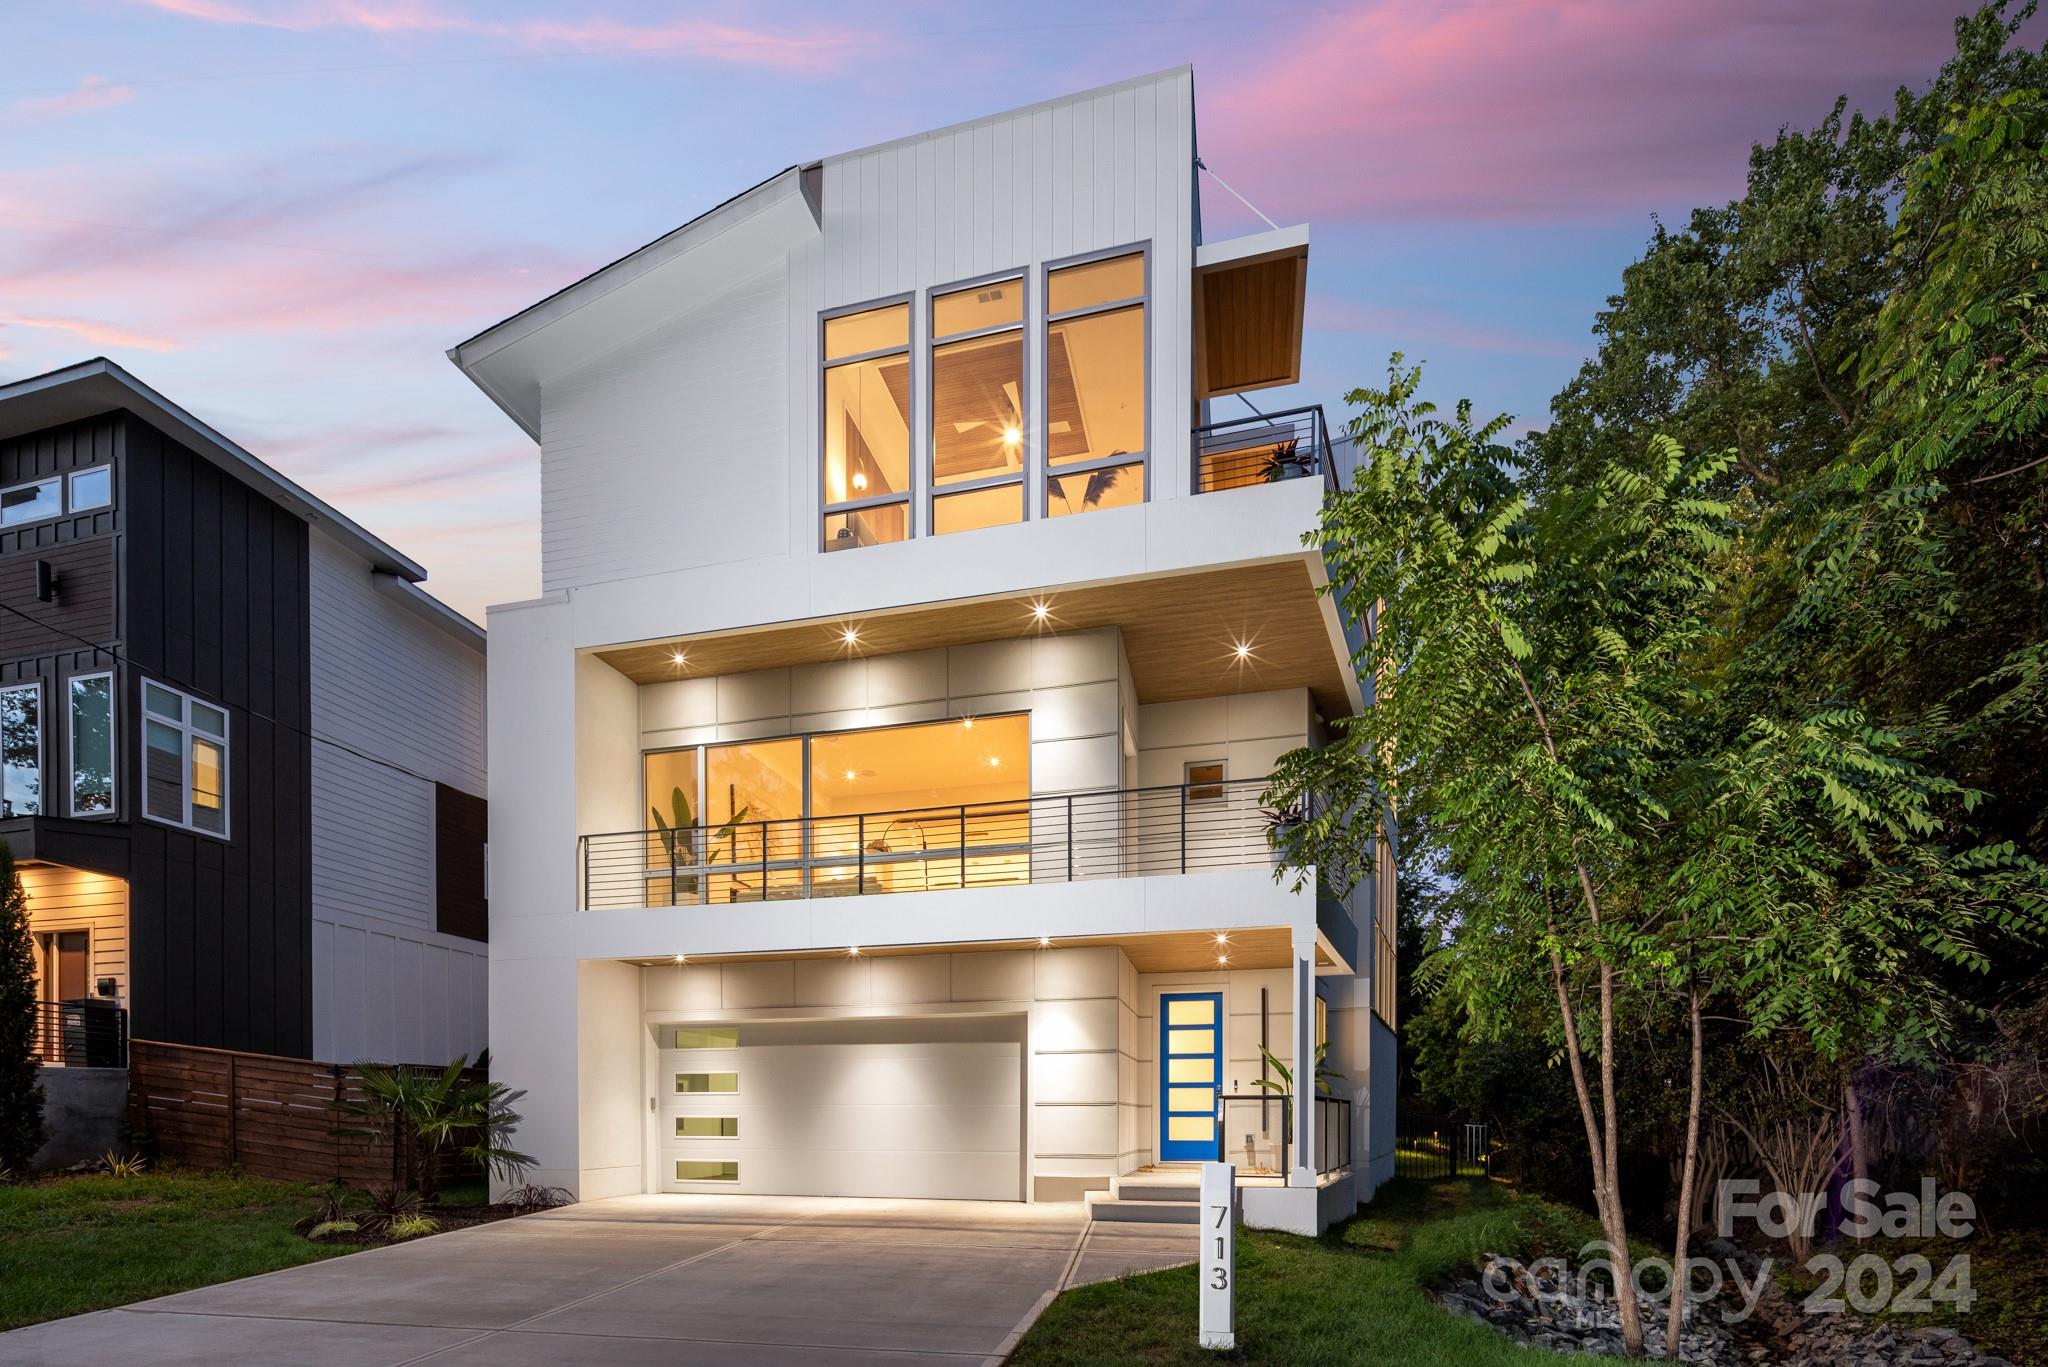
point(1249, 296)
point(98, 386)
point(514, 360)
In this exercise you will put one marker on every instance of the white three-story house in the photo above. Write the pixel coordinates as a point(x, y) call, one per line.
point(876, 784)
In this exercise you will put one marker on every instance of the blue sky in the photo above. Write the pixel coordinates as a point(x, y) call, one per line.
point(283, 212)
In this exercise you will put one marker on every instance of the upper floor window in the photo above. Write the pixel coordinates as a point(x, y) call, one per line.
point(21, 750)
point(1095, 384)
point(866, 426)
point(185, 760)
point(977, 439)
point(92, 488)
point(92, 744)
point(31, 502)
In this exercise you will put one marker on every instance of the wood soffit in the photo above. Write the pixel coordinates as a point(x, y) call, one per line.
point(1181, 633)
point(1178, 952)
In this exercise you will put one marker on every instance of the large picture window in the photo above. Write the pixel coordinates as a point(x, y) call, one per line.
point(21, 750)
point(977, 437)
point(92, 744)
point(185, 760)
point(1095, 437)
point(866, 421)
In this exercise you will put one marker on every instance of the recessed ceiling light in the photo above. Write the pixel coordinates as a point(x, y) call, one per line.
point(1045, 942)
point(1041, 610)
point(678, 657)
point(853, 951)
point(682, 958)
point(1243, 650)
point(1222, 937)
point(860, 480)
point(850, 636)
point(1222, 958)
point(849, 775)
point(1013, 435)
point(995, 761)
point(967, 722)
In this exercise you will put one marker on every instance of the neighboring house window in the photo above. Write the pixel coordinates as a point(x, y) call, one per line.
point(31, 502)
point(1204, 780)
point(92, 744)
point(1095, 384)
point(21, 749)
point(185, 760)
point(866, 426)
point(92, 488)
point(977, 438)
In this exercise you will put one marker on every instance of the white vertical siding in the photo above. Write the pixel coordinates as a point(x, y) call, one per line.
point(672, 452)
point(388, 683)
point(398, 706)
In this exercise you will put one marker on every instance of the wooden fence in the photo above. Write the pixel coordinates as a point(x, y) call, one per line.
point(265, 1115)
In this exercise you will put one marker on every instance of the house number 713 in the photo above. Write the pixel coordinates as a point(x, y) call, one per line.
point(1219, 1203)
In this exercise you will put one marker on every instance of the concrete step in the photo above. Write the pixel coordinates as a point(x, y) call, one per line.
point(1155, 1188)
point(1145, 1212)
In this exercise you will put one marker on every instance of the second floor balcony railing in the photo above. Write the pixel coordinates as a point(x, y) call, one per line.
point(1119, 833)
point(1264, 448)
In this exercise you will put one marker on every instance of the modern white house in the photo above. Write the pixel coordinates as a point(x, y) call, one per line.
point(876, 785)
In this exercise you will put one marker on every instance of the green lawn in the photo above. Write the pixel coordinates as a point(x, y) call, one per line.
point(1352, 1296)
point(85, 1243)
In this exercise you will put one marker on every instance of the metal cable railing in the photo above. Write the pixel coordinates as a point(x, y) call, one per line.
point(1117, 833)
point(86, 1032)
point(1263, 448)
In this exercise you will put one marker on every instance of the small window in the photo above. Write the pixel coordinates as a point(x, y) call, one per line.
point(707, 1127)
point(701, 1170)
point(692, 1083)
point(713, 1037)
point(1322, 1022)
point(1204, 780)
point(31, 502)
point(21, 750)
point(866, 427)
point(92, 744)
point(93, 488)
point(185, 760)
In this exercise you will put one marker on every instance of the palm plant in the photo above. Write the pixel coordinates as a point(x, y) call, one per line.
point(424, 1114)
point(1285, 1086)
point(677, 834)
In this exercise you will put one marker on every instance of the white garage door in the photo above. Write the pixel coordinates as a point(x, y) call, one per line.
point(922, 1108)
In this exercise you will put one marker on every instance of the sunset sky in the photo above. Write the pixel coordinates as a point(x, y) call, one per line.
point(281, 213)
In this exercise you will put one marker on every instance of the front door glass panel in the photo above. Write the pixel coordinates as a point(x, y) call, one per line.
point(1191, 1067)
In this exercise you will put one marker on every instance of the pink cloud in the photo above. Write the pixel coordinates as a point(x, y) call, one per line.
point(690, 37)
point(1328, 313)
point(1578, 110)
point(86, 329)
point(90, 95)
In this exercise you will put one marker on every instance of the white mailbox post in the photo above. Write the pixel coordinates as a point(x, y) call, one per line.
point(1219, 1255)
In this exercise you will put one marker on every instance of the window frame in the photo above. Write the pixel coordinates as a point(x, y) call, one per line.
point(63, 491)
point(6, 802)
point(113, 748)
point(932, 342)
point(907, 497)
point(1047, 318)
point(185, 730)
point(71, 504)
point(1189, 783)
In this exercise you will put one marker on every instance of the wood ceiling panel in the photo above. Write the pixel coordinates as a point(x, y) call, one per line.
point(1180, 632)
point(1250, 317)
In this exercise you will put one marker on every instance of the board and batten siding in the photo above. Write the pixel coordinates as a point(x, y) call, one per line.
point(671, 452)
point(696, 443)
point(398, 706)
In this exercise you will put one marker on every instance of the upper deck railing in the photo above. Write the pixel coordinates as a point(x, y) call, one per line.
point(1118, 833)
point(1264, 448)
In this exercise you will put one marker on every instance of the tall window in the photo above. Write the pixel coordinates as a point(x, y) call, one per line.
point(977, 444)
point(92, 744)
point(185, 760)
point(1095, 385)
point(21, 749)
point(867, 427)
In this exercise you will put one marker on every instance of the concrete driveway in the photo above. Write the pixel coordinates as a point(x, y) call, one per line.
point(668, 1280)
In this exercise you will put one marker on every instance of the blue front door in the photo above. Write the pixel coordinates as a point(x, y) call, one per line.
point(1190, 1074)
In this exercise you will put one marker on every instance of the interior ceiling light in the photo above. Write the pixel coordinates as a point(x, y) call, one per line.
point(995, 761)
point(967, 722)
point(1013, 436)
point(849, 775)
point(860, 480)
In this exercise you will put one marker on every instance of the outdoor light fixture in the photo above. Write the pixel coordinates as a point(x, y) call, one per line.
point(1222, 937)
point(1222, 958)
point(853, 951)
point(1243, 650)
point(682, 958)
point(679, 658)
point(849, 636)
point(1045, 942)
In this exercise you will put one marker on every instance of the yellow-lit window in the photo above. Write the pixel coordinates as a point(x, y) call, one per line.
point(977, 436)
point(707, 1037)
point(706, 1170)
point(689, 1084)
point(707, 1127)
point(866, 427)
point(1095, 427)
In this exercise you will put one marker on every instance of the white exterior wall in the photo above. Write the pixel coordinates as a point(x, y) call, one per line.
point(398, 705)
point(1247, 731)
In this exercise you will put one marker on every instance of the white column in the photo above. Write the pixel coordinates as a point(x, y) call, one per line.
point(1303, 1173)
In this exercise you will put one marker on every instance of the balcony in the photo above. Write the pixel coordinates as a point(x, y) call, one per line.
point(1127, 833)
point(85, 1032)
point(1264, 448)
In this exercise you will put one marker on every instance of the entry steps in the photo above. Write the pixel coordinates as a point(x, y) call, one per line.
point(1157, 1198)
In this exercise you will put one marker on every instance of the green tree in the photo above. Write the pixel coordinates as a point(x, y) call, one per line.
point(424, 1114)
point(21, 1099)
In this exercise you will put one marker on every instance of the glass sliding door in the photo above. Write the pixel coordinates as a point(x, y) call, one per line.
point(753, 815)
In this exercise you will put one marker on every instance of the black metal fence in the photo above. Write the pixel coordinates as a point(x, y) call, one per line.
point(1430, 1147)
point(86, 1032)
